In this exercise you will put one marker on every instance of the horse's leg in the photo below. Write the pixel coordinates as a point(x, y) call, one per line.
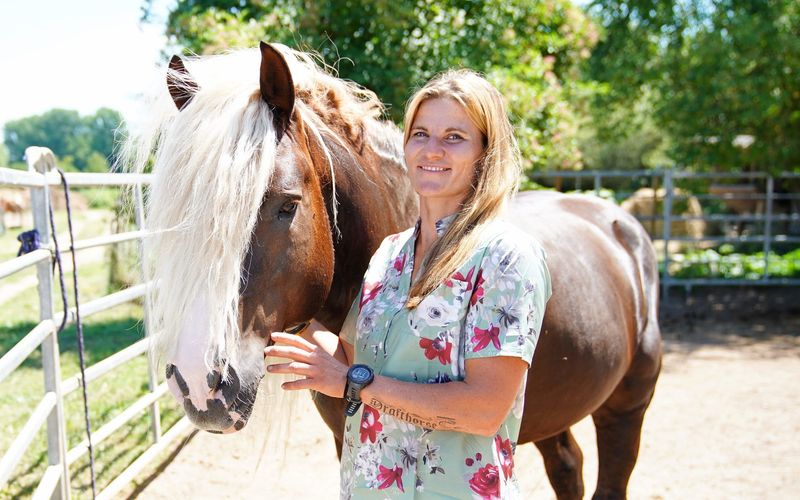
point(563, 461)
point(618, 422)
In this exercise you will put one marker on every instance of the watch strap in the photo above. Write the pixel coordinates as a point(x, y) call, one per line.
point(351, 407)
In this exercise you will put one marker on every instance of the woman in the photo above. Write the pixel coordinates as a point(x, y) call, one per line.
point(438, 342)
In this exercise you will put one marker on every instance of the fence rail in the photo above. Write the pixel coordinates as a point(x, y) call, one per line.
point(756, 189)
point(49, 412)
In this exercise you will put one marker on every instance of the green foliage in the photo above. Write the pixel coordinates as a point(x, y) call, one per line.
point(100, 197)
point(4, 156)
point(531, 49)
point(709, 72)
point(724, 263)
point(639, 144)
point(83, 143)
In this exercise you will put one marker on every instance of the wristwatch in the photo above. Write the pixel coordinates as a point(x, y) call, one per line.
point(358, 377)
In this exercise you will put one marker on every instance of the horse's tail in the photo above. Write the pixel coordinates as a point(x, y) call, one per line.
point(632, 236)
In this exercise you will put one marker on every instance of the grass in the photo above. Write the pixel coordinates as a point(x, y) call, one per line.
point(104, 334)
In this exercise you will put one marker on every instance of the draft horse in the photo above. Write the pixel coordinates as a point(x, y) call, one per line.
point(273, 184)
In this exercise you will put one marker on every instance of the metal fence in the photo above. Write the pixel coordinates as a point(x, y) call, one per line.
point(50, 410)
point(748, 209)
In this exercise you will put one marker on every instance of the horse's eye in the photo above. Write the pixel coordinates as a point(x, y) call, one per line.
point(288, 208)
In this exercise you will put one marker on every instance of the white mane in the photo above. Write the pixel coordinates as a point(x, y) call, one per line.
point(213, 162)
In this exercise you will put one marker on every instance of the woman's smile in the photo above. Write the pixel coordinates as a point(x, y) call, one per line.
point(428, 168)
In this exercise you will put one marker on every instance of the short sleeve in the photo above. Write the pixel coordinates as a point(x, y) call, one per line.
point(508, 300)
point(348, 331)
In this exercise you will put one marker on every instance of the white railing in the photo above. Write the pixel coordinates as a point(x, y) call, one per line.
point(54, 483)
point(762, 216)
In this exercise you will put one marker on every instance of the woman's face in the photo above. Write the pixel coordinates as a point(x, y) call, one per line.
point(441, 152)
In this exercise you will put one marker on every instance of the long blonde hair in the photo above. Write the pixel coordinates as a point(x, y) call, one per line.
point(497, 173)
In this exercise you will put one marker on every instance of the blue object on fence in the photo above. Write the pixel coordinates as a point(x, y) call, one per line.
point(29, 241)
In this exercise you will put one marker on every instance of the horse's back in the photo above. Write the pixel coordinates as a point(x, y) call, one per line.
point(604, 295)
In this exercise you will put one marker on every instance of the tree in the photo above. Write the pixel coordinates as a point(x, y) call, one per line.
point(531, 49)
point(720, 75)
point(76, 140)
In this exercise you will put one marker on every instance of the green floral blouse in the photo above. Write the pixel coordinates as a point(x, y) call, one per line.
point(492, 306)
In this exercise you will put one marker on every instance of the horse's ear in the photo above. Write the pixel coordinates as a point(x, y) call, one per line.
point(277, 87)
point(180, 83)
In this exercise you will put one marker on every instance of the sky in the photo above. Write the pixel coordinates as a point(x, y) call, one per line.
point(76, 54)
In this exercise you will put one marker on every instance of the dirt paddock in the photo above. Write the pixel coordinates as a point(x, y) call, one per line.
point(724, 423)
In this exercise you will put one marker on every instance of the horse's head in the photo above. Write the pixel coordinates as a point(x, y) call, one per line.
point(242, 243)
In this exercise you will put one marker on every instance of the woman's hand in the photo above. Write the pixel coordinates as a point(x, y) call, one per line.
point(323, 373)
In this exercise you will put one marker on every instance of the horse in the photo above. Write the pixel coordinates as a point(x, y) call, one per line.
point(274, 182)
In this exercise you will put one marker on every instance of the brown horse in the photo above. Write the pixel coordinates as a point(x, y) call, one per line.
point(272, 189)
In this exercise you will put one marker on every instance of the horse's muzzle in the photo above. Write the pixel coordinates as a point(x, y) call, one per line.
point(226, 405)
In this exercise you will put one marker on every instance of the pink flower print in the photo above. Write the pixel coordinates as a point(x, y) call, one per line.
point(370, 424)
point(478, 293)
point(467, 280)
point(506, 455)
point(486, 482)
point(437, 347)
point(389, 476)
point(482, 337)
point(400, 263)
point(370, 292)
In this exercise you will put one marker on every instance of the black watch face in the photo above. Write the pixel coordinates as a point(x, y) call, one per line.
point(360, 374)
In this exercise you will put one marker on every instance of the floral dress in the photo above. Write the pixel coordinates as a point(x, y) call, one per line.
point(492, 306)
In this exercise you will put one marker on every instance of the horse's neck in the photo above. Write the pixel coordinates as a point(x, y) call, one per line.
point(374, 199)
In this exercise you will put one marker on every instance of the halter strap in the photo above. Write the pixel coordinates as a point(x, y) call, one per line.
point(298, 328)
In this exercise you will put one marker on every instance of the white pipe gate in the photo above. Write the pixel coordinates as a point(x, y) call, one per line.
point(55, 481)
point(668, 179)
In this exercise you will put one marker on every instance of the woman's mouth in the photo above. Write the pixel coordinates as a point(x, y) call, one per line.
point(428, 168)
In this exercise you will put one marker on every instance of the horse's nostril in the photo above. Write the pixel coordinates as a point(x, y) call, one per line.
point(214, 379)
point(170, 369)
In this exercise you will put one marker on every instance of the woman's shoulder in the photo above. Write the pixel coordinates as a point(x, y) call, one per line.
point(397, 240)
point(511, 253)
point(504, 238)
point(392, 245)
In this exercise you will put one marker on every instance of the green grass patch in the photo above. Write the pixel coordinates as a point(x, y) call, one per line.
point(723, 263)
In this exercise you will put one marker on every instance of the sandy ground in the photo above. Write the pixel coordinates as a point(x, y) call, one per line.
point(724, 422)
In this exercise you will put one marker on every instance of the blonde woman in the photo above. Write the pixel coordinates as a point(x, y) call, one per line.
point(439, 340)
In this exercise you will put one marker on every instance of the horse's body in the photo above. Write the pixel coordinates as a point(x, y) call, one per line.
point(599, 348)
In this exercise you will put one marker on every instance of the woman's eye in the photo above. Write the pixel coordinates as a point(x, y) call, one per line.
point(454, 137)
point(419, 134)
point(288, 208)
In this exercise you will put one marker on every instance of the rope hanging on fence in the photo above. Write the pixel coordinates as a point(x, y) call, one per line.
point(29, 242)
point(78, 322)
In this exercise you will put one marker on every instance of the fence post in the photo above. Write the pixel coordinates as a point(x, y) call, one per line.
point(768, 225)
point(665, 278)
point(598, 184)
point(152, 378)
point(42, 160)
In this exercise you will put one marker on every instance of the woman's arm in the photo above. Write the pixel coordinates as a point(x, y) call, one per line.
point(476, 405)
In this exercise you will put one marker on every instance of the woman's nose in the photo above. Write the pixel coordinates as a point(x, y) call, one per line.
point(433, 149)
